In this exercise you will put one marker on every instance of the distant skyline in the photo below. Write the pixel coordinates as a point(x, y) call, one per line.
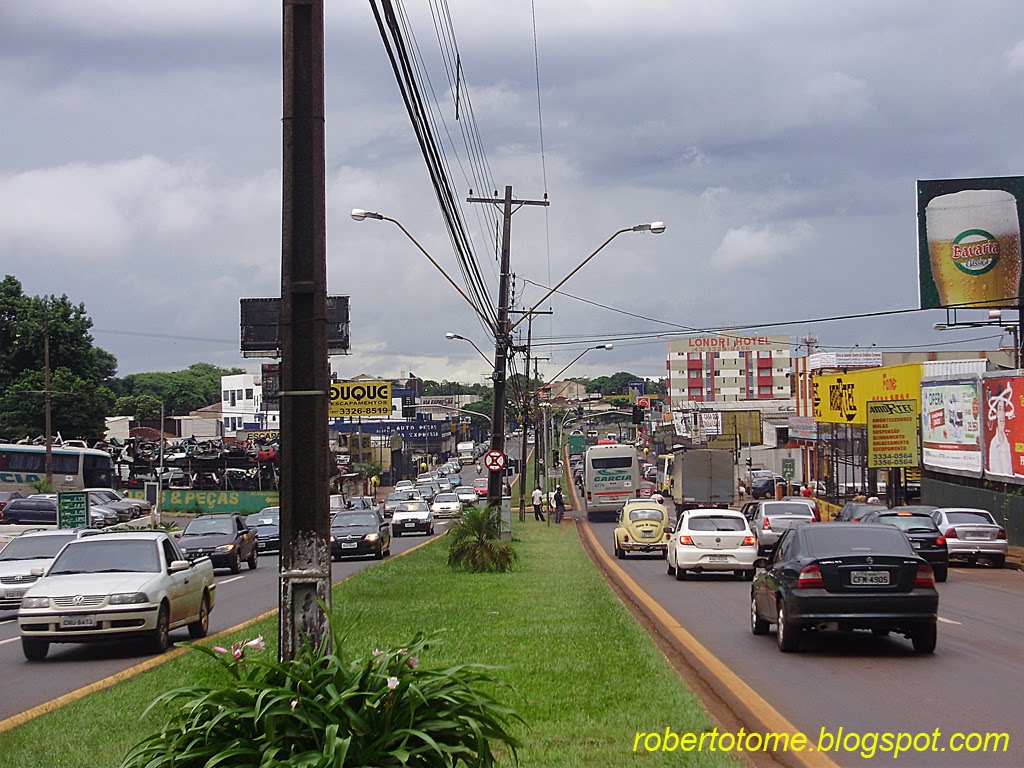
point(140, 169)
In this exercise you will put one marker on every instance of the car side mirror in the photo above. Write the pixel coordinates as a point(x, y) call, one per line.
point(669, 529)
point(177, 566)
point(761, 563)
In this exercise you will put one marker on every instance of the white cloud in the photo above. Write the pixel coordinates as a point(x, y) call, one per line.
point(750, 247)
point(1015, 58)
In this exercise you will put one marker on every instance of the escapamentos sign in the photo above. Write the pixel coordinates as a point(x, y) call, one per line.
point(360, 398)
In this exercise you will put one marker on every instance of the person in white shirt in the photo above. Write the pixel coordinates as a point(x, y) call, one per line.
point(538, 499)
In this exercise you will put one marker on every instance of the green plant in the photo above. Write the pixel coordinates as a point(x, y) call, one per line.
point(323, 711)
point(41, 486)
point(476, 543)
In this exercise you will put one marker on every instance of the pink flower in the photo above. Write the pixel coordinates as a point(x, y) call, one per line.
point(414, 661)
point(237, 653)
point(256, 643)
point(219, 649)
point(403, 650)
point(392, 683)
point(377, 652)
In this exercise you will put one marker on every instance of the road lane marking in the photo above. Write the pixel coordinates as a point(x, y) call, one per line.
point(950, 621)
point(7, 621)
point(233, 578)
point(10, 640)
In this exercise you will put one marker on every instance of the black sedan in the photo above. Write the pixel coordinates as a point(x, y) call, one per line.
point(839, 577)
point(925, 536)
point(225, 539)
point(360, 533)
point(267, 523)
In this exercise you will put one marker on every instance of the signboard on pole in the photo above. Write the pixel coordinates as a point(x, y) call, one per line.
point(73, 509)
point(892, 434)
point(951, 426)
point(789, 468)
point(494, 460)
point(360, 398)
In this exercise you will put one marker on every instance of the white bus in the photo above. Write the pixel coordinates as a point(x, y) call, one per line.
point(73, 468)
point(611, 476)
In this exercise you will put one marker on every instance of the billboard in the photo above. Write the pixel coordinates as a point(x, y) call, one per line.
point(842, 398)
point(1003, 418)
point(892, 434)
point(951, 426)
point(410, 430)
point(260, 326)
point(360, 398)
point(968, 242)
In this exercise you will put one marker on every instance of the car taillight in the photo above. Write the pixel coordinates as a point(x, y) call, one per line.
point(686, 541)
point(589, 496)
point(625, 537)
point(810, 578)
point(766, 525)
point(925, 577)
point(951, 533)
point(940, 541)
point(1001, 534)
point(749, 541)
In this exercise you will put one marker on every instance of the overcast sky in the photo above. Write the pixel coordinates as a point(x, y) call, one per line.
point(780, 143)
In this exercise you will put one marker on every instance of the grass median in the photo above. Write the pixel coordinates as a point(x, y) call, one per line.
point(585, 676)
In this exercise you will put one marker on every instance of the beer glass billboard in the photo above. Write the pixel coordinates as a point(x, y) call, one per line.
point(969, 242)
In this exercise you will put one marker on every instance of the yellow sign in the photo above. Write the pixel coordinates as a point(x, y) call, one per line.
point(360, 398)
point(892, 434)
point(842, 398)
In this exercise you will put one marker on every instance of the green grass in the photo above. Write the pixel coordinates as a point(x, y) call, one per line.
point(584, 675)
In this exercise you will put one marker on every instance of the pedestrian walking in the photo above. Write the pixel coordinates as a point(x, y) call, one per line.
point(559, 504)
point(479, 469)
point(538, 499)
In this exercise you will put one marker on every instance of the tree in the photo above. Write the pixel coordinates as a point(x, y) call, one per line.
point(180, 391)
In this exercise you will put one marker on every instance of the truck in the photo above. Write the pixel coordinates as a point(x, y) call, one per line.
point(702, 478)
point(466, 452)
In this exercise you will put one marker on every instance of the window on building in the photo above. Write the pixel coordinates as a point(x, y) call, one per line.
point(248, 394)
point(226, 395)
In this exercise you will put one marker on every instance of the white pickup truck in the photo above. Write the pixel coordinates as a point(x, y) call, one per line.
point(115, 586)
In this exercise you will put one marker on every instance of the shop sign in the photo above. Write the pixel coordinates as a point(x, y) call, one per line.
point(842, 398)
point(892, 434)
point(951, 426)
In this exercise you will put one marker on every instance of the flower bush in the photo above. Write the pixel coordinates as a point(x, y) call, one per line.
point(323, 711)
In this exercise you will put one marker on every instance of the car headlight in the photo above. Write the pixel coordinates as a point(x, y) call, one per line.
point(372, 536)
point(225, 548)
point(35, 602)
point(128, 598)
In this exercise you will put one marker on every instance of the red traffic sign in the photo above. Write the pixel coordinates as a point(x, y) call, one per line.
point(643, 402)
point(495, 461)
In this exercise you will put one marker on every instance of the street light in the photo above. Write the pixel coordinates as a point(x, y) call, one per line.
point(358, 214)
point(451, 336)
point(655, 227)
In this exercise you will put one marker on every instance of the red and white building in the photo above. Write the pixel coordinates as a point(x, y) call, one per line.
point(727, 367)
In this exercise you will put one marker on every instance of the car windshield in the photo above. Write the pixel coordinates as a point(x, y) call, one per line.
point(788, 508)
point(264, 518)
point(646, 513)
point(465, 489)
point(970, 516)
point(91, 556)
point(361, 502)
point(351, 519)
point(716, 523)
point(413, 506)
point(202, 526)
point(34, 547)
point(835, 540)
point(448, 498)
point(910, 523)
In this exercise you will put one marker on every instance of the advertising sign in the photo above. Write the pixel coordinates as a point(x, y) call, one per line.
point(1003, 431)
point(892, 434)
point(410, 430)
point(842, 398)
point(360, 398)
point(711, 422)
point(968, 242)
point(729, 341)
point(951, 426)
point(73, 509)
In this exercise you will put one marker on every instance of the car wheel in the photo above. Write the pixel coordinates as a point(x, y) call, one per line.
point(430, 531)
point(680, 573)
point(924, 638)
point(236, 564)
point(757, 625)
point(34, 648)
point(159, 639)
point(941, 572)
point(998, 561)
point(748, 575)
point(396, 534)
point(786, 634)
point(620, 553)
point(252, 561)
point(379, 554)
point(739, 575)
point(201, 626)
point(664, 554)
point(670, 569)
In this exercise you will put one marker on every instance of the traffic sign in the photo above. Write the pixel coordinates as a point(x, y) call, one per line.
point(494, 460)
point(643, 402)
point(789, 468)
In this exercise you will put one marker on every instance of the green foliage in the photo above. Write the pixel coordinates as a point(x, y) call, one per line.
point(322, 710)
point(368, 469)
point(144, 406)
point(41, 486)
point(181, 391)
point(476, 543)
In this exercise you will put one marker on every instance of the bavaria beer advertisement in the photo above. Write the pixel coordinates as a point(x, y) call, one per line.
point(968, 242)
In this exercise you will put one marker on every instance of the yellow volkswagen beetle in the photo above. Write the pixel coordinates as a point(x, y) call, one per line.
point(644, 526)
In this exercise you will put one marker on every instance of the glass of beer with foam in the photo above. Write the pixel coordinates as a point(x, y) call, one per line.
point(974, 247)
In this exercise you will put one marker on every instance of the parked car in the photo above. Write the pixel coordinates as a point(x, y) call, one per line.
point(225, 539)
point(41, 509)
point(853, 511)
point(7, 496)
point(763, 482)
point(142, 507)
point(925, 536)
point(446, 505)
point(712, 540)
point(771, 518)
point(972, 534)
point(360, 532)
point(122, 512)
point(412, 516)
point(267, 523)
point(643, 526)
point(837, 577)
point(22, 554)
point(467, 494)
point(114, 586)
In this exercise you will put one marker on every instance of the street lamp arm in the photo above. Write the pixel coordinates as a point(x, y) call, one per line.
point(451, 335)
point(462, 410)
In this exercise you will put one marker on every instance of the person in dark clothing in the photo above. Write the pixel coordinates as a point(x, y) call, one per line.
point(559, 504)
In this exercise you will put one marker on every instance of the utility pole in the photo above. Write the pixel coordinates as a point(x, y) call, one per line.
point(501, 340)
point(527, 397)
point(47, 425)
point(305, 573)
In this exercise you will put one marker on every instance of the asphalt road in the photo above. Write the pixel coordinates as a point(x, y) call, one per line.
point(69, 667)
point(973, 682)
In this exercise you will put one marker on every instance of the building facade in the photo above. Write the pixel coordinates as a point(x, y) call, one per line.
point(242, 405)
point(727, 368)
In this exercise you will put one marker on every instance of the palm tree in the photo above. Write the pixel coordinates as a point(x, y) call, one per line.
point(476, 543)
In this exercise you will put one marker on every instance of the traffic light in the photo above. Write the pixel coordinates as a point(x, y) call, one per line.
point(750, 463)
point(638, 414)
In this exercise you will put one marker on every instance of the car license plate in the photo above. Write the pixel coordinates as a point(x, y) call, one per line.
point(349, 544)
point(647, 534)
point(917, 544)
point(976, 535)
point(410, 525)
point(870, 577)
point(13, 594)
point(718, 558)
point(78, 621)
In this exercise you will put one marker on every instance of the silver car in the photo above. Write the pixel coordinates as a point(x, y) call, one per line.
point(771, 518)
point(972, 534)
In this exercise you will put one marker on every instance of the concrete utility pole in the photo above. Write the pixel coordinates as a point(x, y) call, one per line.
point(501, 340)
point(527, 397)
point(305, 549)
point(47, 419)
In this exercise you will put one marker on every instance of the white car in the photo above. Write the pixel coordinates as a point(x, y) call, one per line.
point(410, 517)
point(972, 534)
point(446, 505)
point(467, 494)
point(32, 549)
point(114, 586)
point(712, 540)
point(401, 485)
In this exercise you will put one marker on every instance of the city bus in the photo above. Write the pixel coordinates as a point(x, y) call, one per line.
point(73, 468)
point(611, 477)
